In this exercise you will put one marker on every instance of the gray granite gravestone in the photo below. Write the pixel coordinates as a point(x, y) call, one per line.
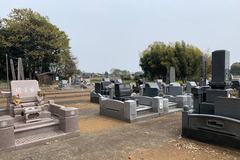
point(190, 85)
point(175, 89)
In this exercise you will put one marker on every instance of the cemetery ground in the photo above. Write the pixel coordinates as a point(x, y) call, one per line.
point(108, 138)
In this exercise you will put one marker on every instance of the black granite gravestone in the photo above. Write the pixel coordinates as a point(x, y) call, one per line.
point(220, 70)
point(122, 89)
point(123, 92)
point(138, 83)
point(104, 89)
point(151, 90)
point(98, 87)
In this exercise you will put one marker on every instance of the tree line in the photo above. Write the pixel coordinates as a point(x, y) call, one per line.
point(42, 46)
point(118, 71)
point(235, 68)
point(184, 57)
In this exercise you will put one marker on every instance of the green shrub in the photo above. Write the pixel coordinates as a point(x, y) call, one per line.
point(95, 80)
point(179, 82)
point(137, 77)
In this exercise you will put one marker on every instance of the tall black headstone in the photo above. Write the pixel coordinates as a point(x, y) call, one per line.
point(220, 70)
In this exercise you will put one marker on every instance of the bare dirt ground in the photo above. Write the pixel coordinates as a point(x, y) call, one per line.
point(186, 149)
point(148, 140)
point(99, 123)
point(83, 105)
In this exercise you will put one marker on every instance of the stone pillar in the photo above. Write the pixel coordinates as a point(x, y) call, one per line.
point(141, 87)
point(7, 137)
point(185, 120)
point(157, 104)
point(68, 119)
point(130, 110)
point(165, 106)
point(69, 80)
point(189, 101)
point(111, 91)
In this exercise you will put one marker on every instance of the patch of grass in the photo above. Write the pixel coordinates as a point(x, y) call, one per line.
point(95, 80)
point(128, 81)
point(45, 85)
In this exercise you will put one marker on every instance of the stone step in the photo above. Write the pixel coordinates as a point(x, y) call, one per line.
point(175, 110)
point(40, 138)
point(36, 129)
point(146, 116)
point(143, 109)
point(172, 105)
point(22, 124)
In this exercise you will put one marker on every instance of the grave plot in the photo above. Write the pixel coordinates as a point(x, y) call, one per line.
point(215, 117)
point(173, 101)
point(124, 105)
point(174, 92)
point(28, 121)
point(119, 102)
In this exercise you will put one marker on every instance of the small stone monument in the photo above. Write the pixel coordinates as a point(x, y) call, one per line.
point(76, 82)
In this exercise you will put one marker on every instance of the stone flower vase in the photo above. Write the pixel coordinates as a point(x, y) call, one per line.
point(39, 98)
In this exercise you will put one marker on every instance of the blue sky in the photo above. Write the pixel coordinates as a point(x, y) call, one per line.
point(109, 34)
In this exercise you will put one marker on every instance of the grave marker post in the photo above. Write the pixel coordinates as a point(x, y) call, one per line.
point(172, 74)
point(168, 76)
point(205, 71)
point(12, 68)
point(200, 71)
point(7, 72)
point(21, 69)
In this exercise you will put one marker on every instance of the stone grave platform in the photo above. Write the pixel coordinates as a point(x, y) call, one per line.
point(28, 121)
